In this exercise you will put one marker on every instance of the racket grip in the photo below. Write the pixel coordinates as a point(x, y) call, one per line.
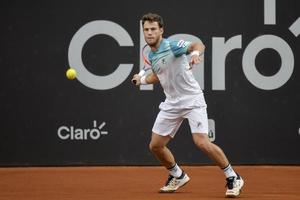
point(141, 73)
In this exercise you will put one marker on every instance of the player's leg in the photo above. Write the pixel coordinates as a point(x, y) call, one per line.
point(199, 127)
point(165, 127)
point(177, 177)
point(158, 147)
point(215, 153)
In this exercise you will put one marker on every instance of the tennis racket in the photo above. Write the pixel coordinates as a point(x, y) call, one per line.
point(146, 62)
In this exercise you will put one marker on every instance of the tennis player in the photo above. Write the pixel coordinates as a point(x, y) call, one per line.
point(184, 100)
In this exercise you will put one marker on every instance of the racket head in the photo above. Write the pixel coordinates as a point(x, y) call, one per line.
point(146, 63)
point(145, 52)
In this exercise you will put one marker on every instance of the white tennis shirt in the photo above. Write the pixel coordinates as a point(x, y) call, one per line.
point(169, 62)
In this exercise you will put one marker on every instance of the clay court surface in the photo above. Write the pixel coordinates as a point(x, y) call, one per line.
point(142, 183)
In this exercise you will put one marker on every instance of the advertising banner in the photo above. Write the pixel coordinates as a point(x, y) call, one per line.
point(249, 76)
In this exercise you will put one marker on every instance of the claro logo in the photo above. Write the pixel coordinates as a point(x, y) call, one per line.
point(72, 133)
point(220, 50)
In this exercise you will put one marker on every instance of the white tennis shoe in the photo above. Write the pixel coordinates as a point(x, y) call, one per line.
point(234, 186)
point(174, 184)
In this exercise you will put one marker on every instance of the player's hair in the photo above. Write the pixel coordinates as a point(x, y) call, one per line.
point(152, 17)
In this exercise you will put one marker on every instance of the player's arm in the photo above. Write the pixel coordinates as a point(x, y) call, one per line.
point(196, 49)
point(145, 79)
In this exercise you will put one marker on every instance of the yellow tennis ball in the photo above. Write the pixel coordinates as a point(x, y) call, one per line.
point(71, 74)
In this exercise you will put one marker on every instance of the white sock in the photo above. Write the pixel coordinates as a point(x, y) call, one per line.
point(229, 172)
point(175, 171)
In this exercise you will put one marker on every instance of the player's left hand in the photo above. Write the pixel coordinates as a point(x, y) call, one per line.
point(195, 59)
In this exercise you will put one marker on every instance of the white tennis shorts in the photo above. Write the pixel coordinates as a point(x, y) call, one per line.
point(168, 123)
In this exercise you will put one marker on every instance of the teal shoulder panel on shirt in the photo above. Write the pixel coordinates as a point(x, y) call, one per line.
point(167, 47)
point(179, 47)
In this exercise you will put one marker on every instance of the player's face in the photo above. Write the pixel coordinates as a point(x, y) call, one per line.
point(152, 33)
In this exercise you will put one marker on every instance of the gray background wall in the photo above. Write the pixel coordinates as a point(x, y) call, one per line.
point(253, 125)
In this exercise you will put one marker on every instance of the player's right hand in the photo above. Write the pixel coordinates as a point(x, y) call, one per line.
point(136, 80)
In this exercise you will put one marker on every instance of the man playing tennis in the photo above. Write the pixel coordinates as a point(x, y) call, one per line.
point(184, 100)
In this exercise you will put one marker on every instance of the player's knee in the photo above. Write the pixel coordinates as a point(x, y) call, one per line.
point(204, 145)
point(154, 147)
point(201, 145)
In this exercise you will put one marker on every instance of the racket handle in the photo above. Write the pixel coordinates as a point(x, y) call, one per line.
point(141, 73)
